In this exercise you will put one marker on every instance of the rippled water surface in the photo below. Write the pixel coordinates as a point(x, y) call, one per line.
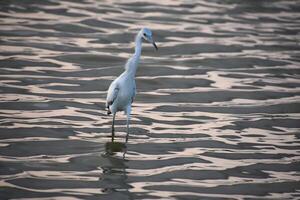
point(216, 115)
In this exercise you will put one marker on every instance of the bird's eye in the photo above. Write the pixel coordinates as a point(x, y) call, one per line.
point(145, 34)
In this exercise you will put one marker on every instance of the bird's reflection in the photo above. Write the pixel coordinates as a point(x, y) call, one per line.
point(114, 174)
point(112, 148)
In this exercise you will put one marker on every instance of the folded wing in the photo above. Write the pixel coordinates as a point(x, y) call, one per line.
point(111, 96)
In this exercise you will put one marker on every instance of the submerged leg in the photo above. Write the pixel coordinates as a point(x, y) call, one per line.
point(128, 111)
point(113, 128)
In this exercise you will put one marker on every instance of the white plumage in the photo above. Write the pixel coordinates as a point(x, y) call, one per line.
point(122, 90)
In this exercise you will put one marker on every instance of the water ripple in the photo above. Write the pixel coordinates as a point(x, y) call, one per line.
point(216, 115)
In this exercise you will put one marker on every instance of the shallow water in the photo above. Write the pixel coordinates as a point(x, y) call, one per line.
point(216, 115)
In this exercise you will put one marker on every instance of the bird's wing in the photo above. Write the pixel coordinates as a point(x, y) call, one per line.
point(112, 94)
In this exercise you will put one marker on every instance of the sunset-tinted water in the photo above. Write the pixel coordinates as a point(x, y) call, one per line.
point(216, 115)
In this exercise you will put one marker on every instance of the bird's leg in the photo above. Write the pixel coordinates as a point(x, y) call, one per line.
point(128, 111)
point(113, 128)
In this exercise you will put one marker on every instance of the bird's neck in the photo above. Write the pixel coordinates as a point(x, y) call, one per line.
point(132, 63)
point(138, 45)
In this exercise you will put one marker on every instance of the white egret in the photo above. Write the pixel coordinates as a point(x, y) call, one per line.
point(122, 90)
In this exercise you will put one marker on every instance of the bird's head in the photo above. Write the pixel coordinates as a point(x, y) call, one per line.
point(146, 33)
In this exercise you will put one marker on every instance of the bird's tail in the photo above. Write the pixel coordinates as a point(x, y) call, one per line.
point(108, 104)
point(108, 110)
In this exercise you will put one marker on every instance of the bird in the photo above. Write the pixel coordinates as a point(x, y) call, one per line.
point(122, 90)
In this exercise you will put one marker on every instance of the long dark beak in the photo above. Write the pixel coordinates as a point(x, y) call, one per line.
point(154, 45)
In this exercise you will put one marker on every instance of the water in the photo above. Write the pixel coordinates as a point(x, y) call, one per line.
point(216, 115)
